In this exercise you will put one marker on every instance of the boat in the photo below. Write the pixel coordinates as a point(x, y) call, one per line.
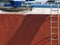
point(40, 8)
point(31, 27)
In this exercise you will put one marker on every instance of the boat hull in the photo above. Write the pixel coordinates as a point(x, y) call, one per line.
point(32, 29)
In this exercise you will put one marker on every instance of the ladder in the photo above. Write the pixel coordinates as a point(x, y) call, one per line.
point(54, 25)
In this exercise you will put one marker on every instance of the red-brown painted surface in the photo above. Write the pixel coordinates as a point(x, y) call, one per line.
point(24, 30)
point(59, 28)
point(8, 26)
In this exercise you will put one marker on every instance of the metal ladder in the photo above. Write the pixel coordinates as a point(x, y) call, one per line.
point(54, 25)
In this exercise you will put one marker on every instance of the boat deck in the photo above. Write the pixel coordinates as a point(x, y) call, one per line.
point(45, 5)
point(36, 9)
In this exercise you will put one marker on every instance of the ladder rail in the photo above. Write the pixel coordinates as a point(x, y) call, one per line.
point(58, 21)
point(50, 24)
point(58, 24)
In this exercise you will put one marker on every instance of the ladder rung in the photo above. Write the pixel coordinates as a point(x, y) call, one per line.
point(55, 10)
point(54, 33)
point(54, 27)
point(54, 39)
point(54, 16)
point(54, 22)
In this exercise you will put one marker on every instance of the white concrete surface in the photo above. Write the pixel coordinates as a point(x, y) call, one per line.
point(34, 11)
